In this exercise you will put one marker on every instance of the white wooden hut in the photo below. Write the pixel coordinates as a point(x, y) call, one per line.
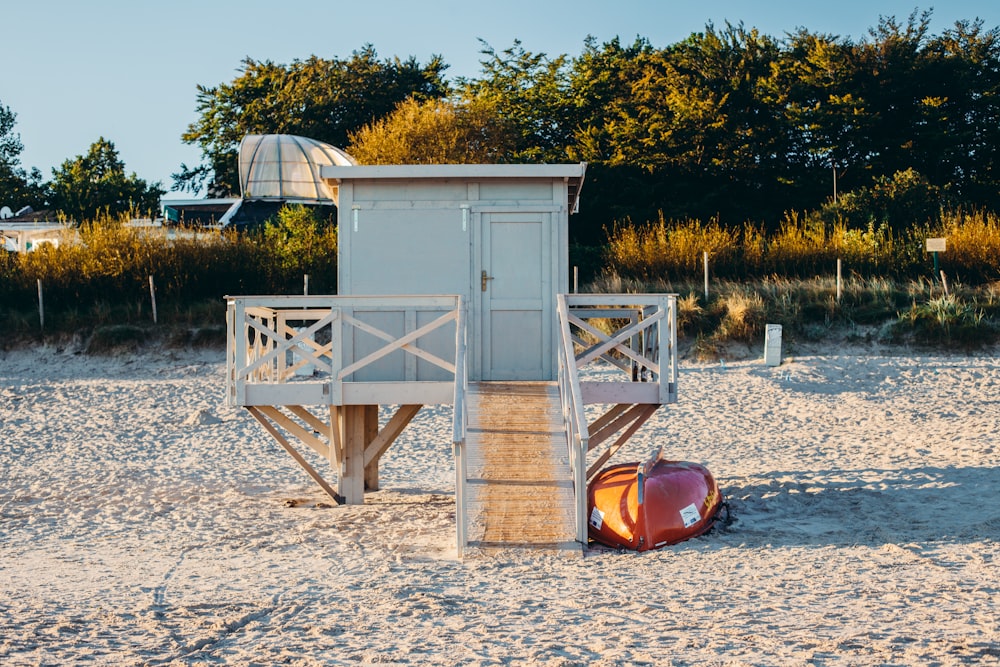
point(453, 289)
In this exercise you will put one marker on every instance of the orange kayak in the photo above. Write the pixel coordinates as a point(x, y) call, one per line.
point(650, 505)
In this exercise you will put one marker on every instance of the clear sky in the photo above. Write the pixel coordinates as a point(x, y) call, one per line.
point(127, 70)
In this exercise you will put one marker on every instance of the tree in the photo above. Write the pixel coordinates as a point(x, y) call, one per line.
point(529, 92)
point(435, 131)
point(10, 143)
point(321, 99)
point(960, 123)
point(96, 183)
point(17, 188)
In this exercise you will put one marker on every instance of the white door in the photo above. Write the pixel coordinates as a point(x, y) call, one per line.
point(516, 285)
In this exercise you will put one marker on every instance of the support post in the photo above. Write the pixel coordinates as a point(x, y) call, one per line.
point(352, 467)
point(371, 432)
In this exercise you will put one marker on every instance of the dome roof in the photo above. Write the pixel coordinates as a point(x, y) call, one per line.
point(286, 167)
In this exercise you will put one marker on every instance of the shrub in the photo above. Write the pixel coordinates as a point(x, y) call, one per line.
point(945, 320)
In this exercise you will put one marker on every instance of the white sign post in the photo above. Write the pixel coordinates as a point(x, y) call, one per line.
point(772, 345)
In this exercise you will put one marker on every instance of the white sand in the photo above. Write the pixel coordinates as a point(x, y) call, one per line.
point(142, 522)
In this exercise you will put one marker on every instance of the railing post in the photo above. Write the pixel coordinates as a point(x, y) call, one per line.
point(336, 389)
point(230, 355)
point(458, 433)
point(240, 353)
point(668, 341)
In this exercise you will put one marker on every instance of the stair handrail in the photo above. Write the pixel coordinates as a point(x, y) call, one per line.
point(461, 418)
point(574, 418)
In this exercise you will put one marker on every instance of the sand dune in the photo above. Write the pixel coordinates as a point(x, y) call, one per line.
point(142, 522)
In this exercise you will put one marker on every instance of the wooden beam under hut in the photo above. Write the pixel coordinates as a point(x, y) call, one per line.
point(349, 438)
point(622, 420)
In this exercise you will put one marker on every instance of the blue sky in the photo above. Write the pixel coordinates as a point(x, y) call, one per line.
point(127, 70)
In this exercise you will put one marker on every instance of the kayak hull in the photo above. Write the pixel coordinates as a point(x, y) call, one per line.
point(643, 506)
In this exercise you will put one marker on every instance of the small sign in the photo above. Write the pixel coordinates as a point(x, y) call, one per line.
point(690, 515)
point(597, 518)
point(936, 245)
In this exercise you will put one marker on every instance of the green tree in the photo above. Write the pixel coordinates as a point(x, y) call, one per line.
point(959, 124)
point(904, 200)
point(96, 183)
point(821, 110)
point(529, 92)
point(17, 187)
point(893, 82)
point(318, 98)
point(703, 119)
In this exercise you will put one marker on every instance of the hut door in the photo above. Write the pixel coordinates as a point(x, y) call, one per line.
point(515, 284)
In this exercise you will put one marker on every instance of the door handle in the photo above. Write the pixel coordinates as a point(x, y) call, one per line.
point(485, 278)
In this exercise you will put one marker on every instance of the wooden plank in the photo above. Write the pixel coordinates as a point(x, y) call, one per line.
point(337, 498)
point(352, 393)
point(335, 438)
point(606, 418)
point(619, 392)
point(517, 480)
point(600, 435)
point(384, 439)
point(398, 393)
point(295, 393)
point(644, 415)
point(309, 418)
point(307, 437)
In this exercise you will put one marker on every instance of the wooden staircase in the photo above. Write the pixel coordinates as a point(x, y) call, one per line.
point(519, 486)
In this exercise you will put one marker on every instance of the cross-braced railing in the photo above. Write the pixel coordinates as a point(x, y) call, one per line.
point(634, 333)
point(340, 350)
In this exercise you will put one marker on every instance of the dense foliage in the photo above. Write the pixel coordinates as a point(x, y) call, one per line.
point(17, 187)
point(96, 183)
point(324, 99)
point(734, 125)
point(100, 272)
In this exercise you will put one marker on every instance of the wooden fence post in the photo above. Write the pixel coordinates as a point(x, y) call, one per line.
point(41, 307)
point(705, 258)
point(840, 288)
point(152, 297)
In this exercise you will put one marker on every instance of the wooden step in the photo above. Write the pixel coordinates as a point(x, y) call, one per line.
point(519, 486)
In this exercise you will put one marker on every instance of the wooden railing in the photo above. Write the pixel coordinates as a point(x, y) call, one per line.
point(633, 333)
point(342, 350)
point(638, 336)
point(460, 422)
point(577, 432)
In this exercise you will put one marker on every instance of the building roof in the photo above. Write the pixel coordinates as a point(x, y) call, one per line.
point(287, 167)
point(573, 174)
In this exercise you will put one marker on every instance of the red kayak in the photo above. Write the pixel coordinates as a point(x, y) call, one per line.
point(650, 505)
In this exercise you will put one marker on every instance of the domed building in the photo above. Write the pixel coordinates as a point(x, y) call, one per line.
point(274, 170)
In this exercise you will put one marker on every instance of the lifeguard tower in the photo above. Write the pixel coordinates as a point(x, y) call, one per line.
point(453, 289)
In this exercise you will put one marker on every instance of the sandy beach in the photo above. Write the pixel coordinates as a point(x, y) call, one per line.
point(144, 523)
